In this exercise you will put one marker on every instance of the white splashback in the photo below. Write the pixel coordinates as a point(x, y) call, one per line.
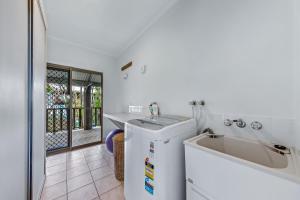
point(275, 130)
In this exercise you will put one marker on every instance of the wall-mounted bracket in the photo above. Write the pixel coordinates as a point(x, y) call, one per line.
point(126, 66)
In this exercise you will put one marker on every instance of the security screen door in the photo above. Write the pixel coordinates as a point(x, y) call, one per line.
point(58, 109)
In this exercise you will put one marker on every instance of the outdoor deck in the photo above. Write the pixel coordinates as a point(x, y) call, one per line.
point(79, 137)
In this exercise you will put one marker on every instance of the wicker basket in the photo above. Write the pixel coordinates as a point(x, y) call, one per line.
point(118, 142)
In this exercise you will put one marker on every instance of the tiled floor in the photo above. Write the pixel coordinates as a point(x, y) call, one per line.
point(85, 174)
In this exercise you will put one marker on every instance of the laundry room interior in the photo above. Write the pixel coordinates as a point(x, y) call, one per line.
point(150, 100)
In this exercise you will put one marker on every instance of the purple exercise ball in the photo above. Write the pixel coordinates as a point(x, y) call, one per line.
point(109, 139)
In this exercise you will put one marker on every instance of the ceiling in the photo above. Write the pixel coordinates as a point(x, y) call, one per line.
point(107, 26)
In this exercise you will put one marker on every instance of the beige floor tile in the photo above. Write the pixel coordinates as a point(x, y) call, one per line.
point(76, 163)
point(111, 164)
point(79, 181)
point(114, 194)
point(109, 158)
point(107, 183)
point(91, 152)
point(55, 191)
point(91, 148)
point(94, 157)
point(55, 178)
point(78, 151)
point(51, 163)
point(76, 171)
point(101, 172)
point(56, 169)
point(87, 192)
point(70, 172)
point(101, 147)
point(97, 164)
point(61, 156)
point(74, 155)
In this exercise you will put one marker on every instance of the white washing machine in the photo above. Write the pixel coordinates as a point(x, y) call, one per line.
point(154, 157)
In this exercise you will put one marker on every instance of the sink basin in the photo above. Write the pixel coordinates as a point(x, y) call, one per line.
point(247, 150)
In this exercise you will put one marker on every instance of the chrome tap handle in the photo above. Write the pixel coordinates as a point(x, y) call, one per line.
point(228, 122)
point(240, 123)
point(256, 125)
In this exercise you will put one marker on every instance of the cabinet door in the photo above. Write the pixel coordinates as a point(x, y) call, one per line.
point(195, 194)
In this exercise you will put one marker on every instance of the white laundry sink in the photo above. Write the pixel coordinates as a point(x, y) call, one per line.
point(230, 168)
point(247, 150)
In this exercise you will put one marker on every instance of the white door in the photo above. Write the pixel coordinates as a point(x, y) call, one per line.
point(39, 115)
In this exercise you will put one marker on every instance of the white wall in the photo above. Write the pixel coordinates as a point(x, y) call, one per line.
point(236, 55)
point(13, 89)
point(65, 53)
point(39, 108)
point(296, 63)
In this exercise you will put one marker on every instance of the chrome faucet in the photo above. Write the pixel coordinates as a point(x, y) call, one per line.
point(239, 122)
point(154, 109)
point(208, 130)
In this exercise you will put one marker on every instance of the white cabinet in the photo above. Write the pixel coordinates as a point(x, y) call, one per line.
point(194, 193)
point(216, 178)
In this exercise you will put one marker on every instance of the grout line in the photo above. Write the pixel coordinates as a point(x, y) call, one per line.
point(106, 165)
point(112, 189)
point(103, 177)
point(54, 184)
point(82, 185)
point(62, 161)
point(77, 166)
point(78, 175)
point(92, 177)
point(55, 173)
point(59, 197)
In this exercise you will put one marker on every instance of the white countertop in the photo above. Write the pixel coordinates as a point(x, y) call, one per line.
point(123, 117)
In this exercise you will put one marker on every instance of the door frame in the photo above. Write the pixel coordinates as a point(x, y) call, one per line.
point(71, 69)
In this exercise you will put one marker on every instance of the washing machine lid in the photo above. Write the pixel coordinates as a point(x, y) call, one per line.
point(158, 122)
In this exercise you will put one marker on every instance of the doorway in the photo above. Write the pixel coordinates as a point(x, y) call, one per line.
point(74, 108)
point(86, 108)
